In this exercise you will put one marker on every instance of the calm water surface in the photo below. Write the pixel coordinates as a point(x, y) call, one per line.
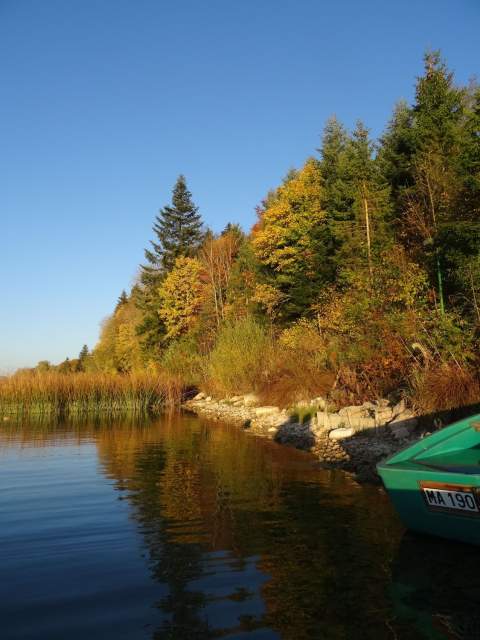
point(179, 528)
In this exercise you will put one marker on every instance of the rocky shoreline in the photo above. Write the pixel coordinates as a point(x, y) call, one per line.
point(354, 438)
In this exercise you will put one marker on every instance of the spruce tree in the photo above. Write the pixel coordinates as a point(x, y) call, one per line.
point(366, 232)
point(469, 157)
point(82, 358)
point(337, 194)
point(439, 107)
point(178, 231)
point(356, 197)
point(396, 152)
point(431, 223)
point(83, 353)
point(461, 235)
point(122, 300)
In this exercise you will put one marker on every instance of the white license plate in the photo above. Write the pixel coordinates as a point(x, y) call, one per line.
point(450, 499)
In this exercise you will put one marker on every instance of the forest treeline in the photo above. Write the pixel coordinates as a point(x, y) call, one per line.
point(360, 278)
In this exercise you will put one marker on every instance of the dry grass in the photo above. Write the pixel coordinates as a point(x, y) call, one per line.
point(443, 387)
point(35, 392)
point(294, 376)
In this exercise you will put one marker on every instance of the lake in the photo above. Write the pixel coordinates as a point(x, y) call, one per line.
point(180, 528)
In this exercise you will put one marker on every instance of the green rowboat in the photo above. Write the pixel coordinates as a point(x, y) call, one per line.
point(435, 483)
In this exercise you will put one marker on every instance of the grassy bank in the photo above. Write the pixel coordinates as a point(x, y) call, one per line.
point(285, 368)
point(54, 392)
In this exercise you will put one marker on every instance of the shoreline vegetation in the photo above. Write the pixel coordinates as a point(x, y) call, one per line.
point(359, 281)
point(53, 392)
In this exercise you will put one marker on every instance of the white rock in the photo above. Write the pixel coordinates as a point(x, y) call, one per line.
point(266, 411)
point(251, 399)
point(383, 415)
point(327, 420)
point(340, 434)
point(238, 403)
point(363, 423)
point(357, 417)
point(404, 416)
point(399, 408)
point(383, 403)
point(208, 399)
point(199, 396)
point(273, 430)
point(354, 410)
point(321, 420)
point(236, 398)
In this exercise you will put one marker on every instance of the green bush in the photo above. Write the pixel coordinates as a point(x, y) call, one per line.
point(183, 360)
point(239, 360)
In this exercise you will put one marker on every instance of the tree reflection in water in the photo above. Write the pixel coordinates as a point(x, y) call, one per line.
point(250, 535)
point(246, 538)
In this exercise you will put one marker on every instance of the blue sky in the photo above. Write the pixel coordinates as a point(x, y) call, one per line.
point(103, 104)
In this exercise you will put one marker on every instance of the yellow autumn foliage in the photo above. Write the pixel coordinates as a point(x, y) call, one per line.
point(181, 296)
point(119, 346)
point(287, 224)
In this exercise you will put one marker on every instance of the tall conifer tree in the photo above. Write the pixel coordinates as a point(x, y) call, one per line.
point(178, 232)
point(396, 152)
point(334, 166)
point(366, 230)
point(122, 299)
point(84, 353)
point(431, 218)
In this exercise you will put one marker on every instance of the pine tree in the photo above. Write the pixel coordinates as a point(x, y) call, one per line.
point(356, 196)
point(234, 229)
point(469, 157)
point(336, 191)
point(122, 299)
point(396, 152)
point(178, 231)
point(82, 358)
point(439, 107)
point(431, 223)
point(84, 353)
point(460, 235)
point(365, 233)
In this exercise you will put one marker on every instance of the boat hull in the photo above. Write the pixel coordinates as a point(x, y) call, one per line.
point(434, 484)
point(404, 487)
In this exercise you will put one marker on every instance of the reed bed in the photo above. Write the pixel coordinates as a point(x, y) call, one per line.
point(53, 392)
